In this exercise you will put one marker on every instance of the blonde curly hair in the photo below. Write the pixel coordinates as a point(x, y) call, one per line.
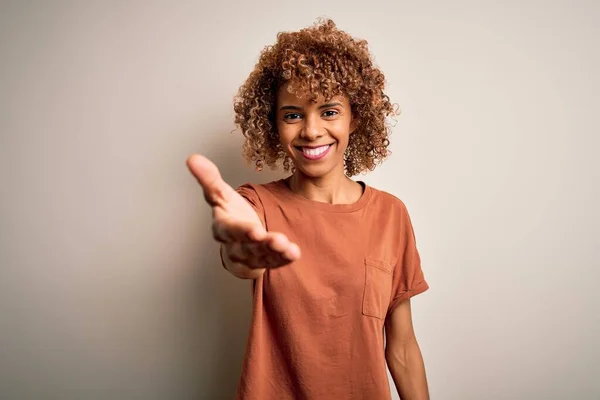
point(320, 59)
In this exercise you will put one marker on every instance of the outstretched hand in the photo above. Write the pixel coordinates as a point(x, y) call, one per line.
point(236, 224)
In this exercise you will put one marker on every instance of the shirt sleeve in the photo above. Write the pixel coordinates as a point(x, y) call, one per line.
point(408, 279)
point(249, 193)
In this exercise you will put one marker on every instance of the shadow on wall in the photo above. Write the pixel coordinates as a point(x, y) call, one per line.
point(220, 303)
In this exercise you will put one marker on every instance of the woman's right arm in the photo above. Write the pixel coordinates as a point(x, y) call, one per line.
point(247, 249)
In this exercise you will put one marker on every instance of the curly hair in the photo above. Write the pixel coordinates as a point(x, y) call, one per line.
point(320, 59)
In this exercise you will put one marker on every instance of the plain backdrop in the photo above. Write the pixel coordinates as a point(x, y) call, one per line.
point(110, 285)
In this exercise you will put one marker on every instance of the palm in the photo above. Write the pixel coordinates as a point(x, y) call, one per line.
point(236, 224)
point(235, 209)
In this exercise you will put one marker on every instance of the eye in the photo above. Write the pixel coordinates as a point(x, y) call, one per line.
point(291, 116)
point(330, 113)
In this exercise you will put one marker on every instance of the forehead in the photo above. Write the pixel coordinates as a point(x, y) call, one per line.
point(304, 97)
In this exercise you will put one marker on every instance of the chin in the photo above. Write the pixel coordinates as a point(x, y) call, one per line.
point(315, 171)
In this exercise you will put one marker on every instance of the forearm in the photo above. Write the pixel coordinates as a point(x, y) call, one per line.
point(407, 368)
point(239, 270)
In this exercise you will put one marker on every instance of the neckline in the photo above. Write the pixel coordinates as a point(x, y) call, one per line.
point(281, 188)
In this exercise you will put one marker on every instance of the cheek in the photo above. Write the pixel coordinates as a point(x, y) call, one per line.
point(342, 133)
point(285, 135)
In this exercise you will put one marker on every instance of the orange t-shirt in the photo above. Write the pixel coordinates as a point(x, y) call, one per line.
point(317, 323)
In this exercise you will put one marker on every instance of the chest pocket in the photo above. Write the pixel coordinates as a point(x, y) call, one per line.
point(378, 288)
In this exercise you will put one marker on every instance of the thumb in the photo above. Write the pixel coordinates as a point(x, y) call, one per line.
point(216, 191)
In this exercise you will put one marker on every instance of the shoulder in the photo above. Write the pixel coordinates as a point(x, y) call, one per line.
point(258, 191)
point(388, 201)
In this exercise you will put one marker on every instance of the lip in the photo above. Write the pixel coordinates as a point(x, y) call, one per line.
point(313, 158)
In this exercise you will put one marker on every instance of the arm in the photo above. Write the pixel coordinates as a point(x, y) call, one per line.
point(246, 246)
point(403, 354)
point(250, 257)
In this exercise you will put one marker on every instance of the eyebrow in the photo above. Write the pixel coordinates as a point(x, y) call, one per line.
point(296, 108)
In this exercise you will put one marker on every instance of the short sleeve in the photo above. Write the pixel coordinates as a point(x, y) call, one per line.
point(408, 279)
point(248, 192)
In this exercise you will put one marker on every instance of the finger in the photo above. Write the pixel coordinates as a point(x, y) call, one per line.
point(252, 255)
point(254, 249)
point(275, 260)
point(257, 234)
point(277, 241)
point(292, 253)
point(216, 191)
point(285, 249)
point(255, 255)
point(289, 254)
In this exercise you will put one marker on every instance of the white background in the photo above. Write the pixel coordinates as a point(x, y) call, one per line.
point(110, 285)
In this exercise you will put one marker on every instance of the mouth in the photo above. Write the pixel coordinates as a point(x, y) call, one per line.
point(314, 153)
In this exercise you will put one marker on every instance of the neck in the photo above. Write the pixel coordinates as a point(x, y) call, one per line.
point(333, 188)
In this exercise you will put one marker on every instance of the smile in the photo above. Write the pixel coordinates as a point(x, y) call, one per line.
point(314, 153)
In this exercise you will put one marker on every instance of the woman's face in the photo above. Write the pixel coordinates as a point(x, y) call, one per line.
point(314, 135)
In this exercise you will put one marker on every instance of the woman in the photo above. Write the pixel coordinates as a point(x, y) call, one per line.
point(333, 261)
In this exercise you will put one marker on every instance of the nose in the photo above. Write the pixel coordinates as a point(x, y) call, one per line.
point(312, 129)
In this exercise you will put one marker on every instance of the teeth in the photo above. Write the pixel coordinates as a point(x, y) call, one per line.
point(316, 151)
